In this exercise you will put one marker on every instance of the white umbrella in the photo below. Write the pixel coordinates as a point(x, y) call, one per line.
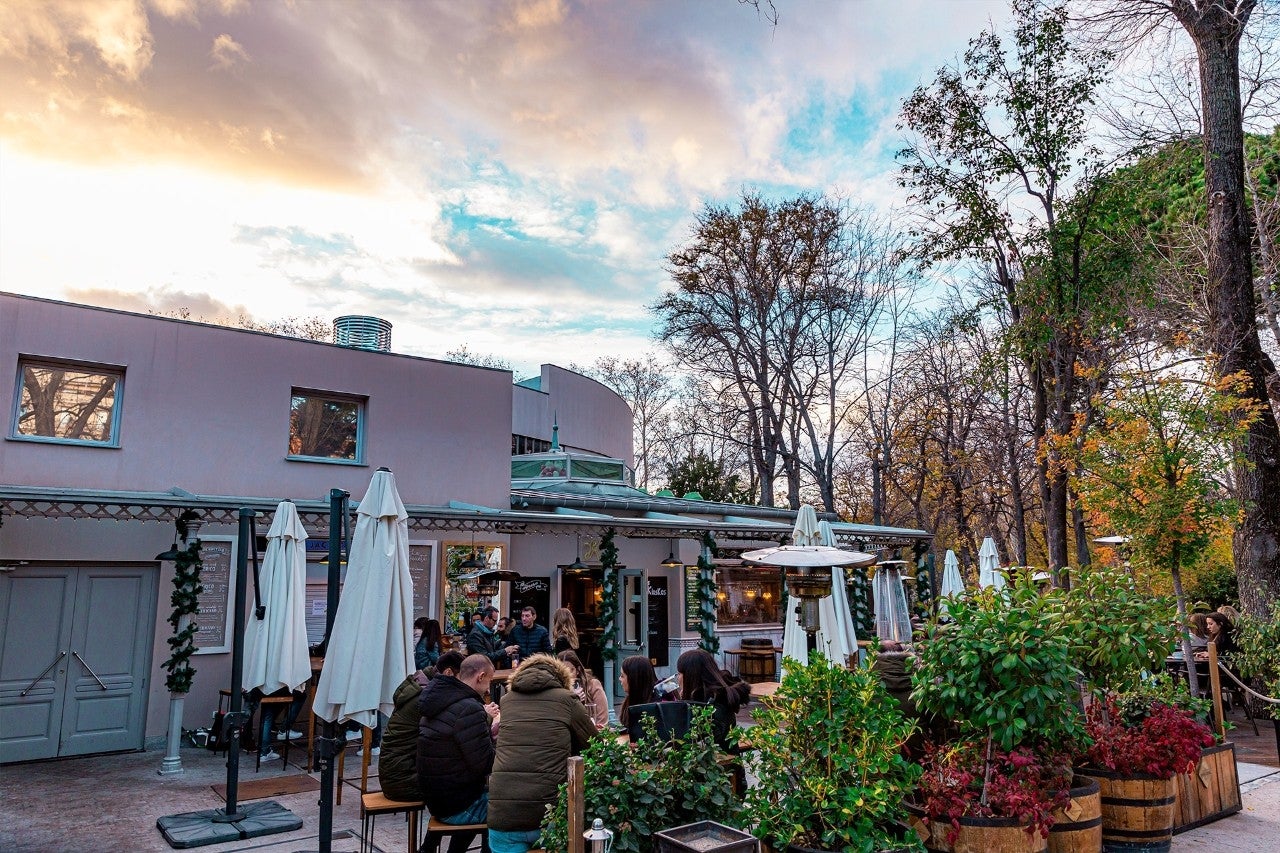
point(893, 622)
point(836, 634)
point(806, 531)
point(989, 573)
point(275, 646)
point(371, 647)
point(952, 582)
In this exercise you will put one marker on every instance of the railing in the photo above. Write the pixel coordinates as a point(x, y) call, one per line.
point(1216, 669)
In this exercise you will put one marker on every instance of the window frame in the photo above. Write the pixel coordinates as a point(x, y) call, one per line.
point(47, 362)
point(361, 403)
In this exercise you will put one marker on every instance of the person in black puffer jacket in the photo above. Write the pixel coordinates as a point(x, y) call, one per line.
point(455, 746)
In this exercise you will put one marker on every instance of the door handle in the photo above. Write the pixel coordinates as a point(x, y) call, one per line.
point(85, 663)
point(62, 654)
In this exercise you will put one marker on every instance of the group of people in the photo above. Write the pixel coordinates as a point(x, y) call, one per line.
point(1216, 627)
point(473, 760)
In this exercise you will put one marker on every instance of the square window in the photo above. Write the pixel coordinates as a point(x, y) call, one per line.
point(65, 402)
point(326, 426)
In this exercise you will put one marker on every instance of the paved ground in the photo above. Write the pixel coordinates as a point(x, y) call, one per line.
point(112, 802)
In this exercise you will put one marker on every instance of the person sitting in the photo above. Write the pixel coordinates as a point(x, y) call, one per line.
point(1199, 631)
point(426, 642)
point(640, 686)
point(270, 712)
point(588, 688)
point(542, 724)
point(531, 637)
point(564, 631)
point(455, 746)
point(702, 681)
point(398, 766)
point(484, 640)
point(1218, 630)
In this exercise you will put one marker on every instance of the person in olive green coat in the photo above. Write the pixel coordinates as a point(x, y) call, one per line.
point(398, 763)
point(542, 724)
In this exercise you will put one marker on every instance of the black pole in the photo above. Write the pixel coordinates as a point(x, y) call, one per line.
point(326, 745)
point(237, 718)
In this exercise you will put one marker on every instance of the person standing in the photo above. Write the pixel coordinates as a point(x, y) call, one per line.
point(484, 640)
point(564, 631)
point(455, 746)
point(531, 637)
point(542, 724)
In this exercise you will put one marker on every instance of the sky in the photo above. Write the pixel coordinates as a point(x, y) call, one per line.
point(504, 175)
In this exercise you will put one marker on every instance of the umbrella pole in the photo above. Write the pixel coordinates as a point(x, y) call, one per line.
point(326, 744)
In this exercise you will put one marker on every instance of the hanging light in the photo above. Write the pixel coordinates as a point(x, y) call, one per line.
point(672, 561)
point(473, 563)
point(487, 587)
point(577, 565)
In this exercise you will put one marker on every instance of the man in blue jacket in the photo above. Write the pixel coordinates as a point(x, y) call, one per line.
point(531, 637)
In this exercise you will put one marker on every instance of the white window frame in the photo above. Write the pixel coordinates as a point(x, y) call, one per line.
point(25, 361)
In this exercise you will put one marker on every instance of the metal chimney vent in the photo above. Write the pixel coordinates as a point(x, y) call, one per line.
point(371, 333)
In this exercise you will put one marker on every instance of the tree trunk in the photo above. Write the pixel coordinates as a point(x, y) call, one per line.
point(1232, 308)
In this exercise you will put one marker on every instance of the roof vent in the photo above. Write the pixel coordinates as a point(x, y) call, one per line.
point(371, 333)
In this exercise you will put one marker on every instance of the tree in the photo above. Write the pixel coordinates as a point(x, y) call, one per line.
point(1001, 173)
point(699, 473)
point(463, 355)
point(1216, 28)
point(648, 386)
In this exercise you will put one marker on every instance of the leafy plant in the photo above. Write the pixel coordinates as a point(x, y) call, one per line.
point(638, 789)
point(973, 779)
point(829, 762)
point(1132, 734)
point(608, 596)
point(185, 599)
point(1215, 586)
point(709, 641)
point(1259, 654)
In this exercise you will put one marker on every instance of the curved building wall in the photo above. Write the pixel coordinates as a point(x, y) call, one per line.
point(591, 415)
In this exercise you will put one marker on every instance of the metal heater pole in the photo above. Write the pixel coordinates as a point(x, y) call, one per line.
point(236, 715)
point(326, 744)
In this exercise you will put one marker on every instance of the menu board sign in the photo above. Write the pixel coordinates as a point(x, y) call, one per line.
point(692, 613)
point(213, 616)
point(535, 593)
point(659, 631)
point(421, 564)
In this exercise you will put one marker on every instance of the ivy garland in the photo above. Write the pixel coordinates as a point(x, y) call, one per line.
point(707, 596)
point(186, 602)
point(859, 588)
point(608, 596)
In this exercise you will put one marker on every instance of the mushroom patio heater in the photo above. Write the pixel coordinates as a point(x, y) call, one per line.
point(808, 575)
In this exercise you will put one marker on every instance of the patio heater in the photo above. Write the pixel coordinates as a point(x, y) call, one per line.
point(810, 585)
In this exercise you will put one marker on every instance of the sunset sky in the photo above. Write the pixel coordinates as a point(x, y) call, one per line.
point(505, 175)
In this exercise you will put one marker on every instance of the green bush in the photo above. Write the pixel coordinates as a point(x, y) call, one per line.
point(1215, 586)
point(639, 789)
point(1259, 655)
point(829, 761)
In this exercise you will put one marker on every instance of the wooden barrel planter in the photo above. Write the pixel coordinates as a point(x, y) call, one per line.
point(1137, 812)
point(1078, 827)
point(1209, 792)
point(980, 835)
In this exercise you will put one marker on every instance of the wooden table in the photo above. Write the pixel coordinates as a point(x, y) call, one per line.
point(498, 684)
point(764, 689)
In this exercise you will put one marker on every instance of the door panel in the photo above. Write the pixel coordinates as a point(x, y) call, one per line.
point(35, 642)
point(107, 675)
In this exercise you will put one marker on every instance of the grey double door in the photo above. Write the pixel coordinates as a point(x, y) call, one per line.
point(75, 652)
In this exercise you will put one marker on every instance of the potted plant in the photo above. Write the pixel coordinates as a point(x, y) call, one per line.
point(1002, 670)
point(829, 763)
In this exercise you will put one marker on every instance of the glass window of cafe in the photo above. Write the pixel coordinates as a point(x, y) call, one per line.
point(748, 596)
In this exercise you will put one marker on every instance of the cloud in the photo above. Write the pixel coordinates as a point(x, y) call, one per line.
point(227, 53)
point(161, 300)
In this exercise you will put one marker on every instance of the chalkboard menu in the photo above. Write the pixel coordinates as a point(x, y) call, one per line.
point(659, 622)
point(692, 612)
point(535, 593)
point(421, 558)
point(213, 617)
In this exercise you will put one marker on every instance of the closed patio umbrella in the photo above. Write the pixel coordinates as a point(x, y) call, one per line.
point(893, 621)
point(836, 635)
point(276, 655)
point(989, 574)
point(794, 640)
point(371, 646)
point(952, 583)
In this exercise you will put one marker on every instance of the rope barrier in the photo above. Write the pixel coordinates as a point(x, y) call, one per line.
point(1246, 688)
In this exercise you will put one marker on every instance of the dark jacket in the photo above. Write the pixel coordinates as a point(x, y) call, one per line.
point(398, 764)
point(543, 723)
point(482, 641)
point(424, 655)
point(455, 749)
point(892, 669)
point(530, 640)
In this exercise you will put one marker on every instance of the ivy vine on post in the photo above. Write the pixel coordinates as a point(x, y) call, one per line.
point(707, 596)
point(186, 603)
point(608, 596)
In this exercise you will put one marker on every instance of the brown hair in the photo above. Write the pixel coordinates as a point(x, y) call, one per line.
point(564, 625)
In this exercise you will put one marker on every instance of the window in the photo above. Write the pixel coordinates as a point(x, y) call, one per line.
point(67, 402)
point(326, 427)
point(748, 596)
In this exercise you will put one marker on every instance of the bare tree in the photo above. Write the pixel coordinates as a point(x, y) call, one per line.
point(648, 385)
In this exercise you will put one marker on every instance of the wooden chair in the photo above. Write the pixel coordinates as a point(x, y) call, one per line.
point(366, 741)
point(374, 803)
point(438, 832)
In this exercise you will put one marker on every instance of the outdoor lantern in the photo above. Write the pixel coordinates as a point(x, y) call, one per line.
point(810, 585)
point(577, 565)
point(487, 587)
point(672, 561)
point(473, 562)
point(599, 839)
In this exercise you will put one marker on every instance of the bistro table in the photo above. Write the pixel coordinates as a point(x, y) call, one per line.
point(498, 684)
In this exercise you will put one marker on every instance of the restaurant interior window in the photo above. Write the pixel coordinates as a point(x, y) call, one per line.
point(326, 427)
point(68, 403)
point(748, 596)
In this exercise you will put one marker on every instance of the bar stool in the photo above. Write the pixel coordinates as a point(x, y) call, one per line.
point(255, 729)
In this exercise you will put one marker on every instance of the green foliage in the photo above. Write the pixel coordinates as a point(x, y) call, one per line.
point(860, 601)
point(1115, 631)
point(1002, 668)
point(1259, 654)
point(1136, 702)
point(829, 763)
point(706, 476)
point(608, 596)
point(1215, 586)
point(707, 596)
point(638, 789)
point(185, 599)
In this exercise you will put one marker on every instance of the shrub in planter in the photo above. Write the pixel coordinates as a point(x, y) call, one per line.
point(638, 789)
point(829, 762)
point(1259, 654)
point(1136, 735)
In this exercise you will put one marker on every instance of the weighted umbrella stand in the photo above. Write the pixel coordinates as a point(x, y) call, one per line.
point(235, 821)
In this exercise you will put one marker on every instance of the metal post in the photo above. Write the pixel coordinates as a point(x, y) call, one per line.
point(326, 744)
point(236, 717)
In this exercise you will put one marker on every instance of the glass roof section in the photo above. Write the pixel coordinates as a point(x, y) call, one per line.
point(537, 470)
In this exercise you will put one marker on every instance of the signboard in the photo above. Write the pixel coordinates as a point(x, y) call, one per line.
point(692, 612)
point(422, 556)
point(535, 593)
point(659, 622)
point(217, 576)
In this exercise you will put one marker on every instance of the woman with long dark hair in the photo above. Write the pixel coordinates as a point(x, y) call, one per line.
point(702, 681)
point(588, 688)
point(426, 645)
point(564, 631)
point(638, 681)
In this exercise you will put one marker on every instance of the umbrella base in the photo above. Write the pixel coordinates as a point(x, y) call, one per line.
point(215, 826)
